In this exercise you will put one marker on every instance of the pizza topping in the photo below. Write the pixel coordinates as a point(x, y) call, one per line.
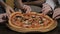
point(19, 18)
point(44, 19)
point(27, 22)
point(30, 20)
point(33, 16)
point(40, 22)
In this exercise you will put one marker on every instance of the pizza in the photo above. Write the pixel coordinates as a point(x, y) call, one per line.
point(26, 22)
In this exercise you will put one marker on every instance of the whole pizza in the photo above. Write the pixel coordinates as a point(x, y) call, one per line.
point(27, 22)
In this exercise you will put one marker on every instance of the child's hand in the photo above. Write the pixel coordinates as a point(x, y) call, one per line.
point(2, 17)
point(46, 8)
point(56, 13)
point(8, 10)
point(27, 8)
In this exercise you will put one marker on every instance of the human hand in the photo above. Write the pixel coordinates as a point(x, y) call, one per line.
point(9, 10)
point(56, 13)
point(3, 17)
point(27, 8)
point(46, 8)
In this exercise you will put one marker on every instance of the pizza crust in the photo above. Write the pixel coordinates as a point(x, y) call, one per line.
point(52, 25)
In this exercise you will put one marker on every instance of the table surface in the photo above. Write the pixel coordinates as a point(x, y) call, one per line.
point(5, 30)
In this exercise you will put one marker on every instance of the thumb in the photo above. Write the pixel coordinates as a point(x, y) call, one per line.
point(56, 17)
point(11, 10)
point(8, 12)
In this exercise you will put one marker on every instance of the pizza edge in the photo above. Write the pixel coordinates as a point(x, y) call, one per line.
point(45, 29)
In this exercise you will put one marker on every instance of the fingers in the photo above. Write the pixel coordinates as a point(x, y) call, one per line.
point(1, 20)
point(45, 12)
point(57, 17)
point(27, 8)
point(46, 8)
point(56, 13)
point(1, 16)
point(12, 11)
point(8, 12)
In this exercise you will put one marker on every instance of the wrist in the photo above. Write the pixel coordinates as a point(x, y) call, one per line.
point(3, 4)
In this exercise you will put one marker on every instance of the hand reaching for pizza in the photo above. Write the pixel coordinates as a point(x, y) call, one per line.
point(56, 13)
point(46, 8)
point(27, 8)
point(3, 17)
point(8, 10)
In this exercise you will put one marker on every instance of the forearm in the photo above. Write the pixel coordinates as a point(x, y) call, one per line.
point(19, 4)
point(34, 3)
point(2, 3)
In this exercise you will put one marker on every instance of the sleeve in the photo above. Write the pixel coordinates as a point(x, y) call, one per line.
point(59, 2)
point(51, 3)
